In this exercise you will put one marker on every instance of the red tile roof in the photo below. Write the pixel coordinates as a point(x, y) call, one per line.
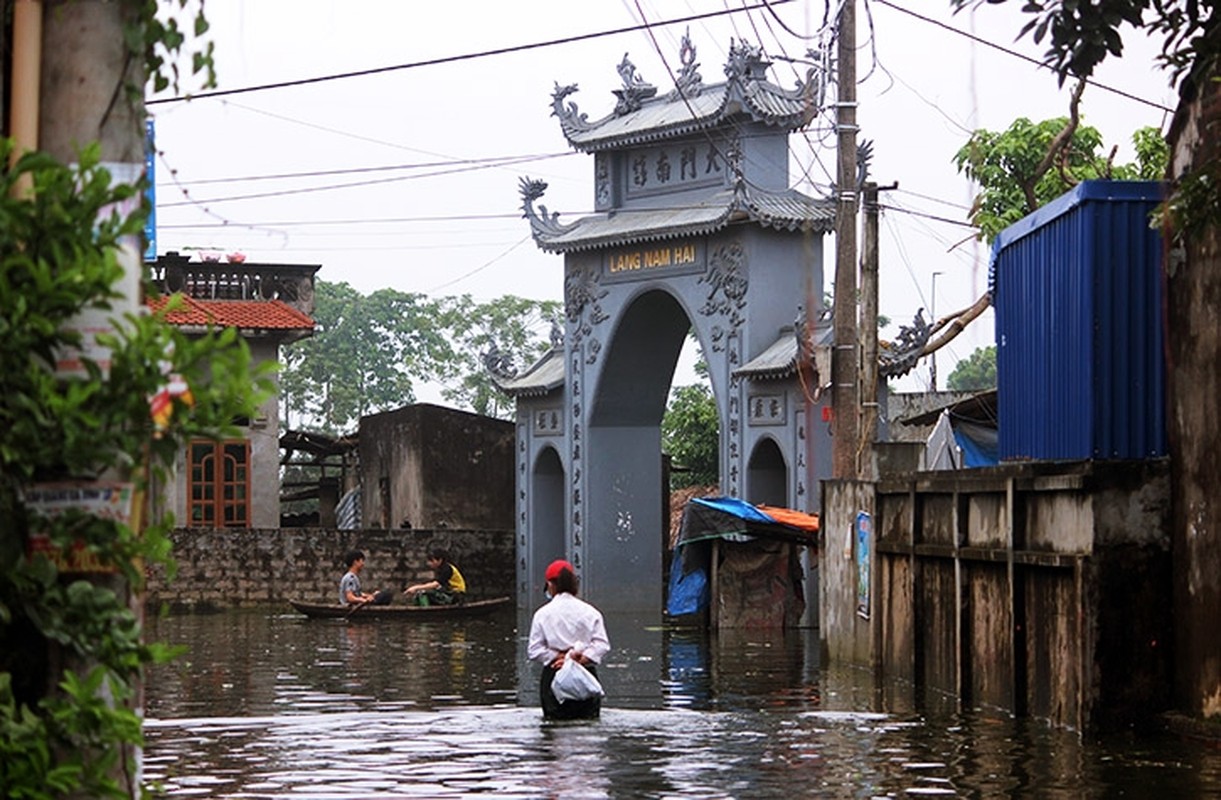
point(244, 314)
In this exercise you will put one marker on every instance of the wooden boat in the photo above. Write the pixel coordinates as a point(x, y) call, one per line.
point(470, 608)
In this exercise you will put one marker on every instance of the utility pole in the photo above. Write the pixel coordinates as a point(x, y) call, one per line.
point(86, 72)
point(869, 332)
point(91, 90)
point(845, 398)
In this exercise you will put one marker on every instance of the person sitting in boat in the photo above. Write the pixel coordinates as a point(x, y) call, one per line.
point(447, 586)
point(349, 585)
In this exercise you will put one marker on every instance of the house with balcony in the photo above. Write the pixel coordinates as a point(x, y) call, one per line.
point(235, 483)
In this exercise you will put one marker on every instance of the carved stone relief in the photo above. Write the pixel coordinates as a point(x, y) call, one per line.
point(799, 425)
point(727, 283)
point(733, 422)
point(602, 181)
point(583, 294)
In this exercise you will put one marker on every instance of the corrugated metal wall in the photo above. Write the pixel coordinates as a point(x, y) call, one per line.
point(1077, 291)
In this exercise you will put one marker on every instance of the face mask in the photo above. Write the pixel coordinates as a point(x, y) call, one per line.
point(547, 592)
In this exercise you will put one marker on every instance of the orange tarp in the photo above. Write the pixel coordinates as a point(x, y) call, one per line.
point(797, 519)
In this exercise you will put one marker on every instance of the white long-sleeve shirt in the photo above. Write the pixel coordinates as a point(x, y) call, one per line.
point(564, 622)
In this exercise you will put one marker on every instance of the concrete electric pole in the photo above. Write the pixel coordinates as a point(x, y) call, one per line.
point(869, 333)
point(845, 359)
point(91, 90)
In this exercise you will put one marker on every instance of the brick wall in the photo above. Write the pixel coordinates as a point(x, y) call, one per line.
point(268, 566)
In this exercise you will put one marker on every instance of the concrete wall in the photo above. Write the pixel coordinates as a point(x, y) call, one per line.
point(425, 466)
point(252, 567)
point(1036, 588)
point(1193, 297)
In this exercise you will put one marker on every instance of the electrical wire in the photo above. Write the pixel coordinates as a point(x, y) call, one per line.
point(451, 59)
point(1015, 54)
point(934, 217)
point(481, 268)
point(352, 185)
point(493, 161)
point(362, 221)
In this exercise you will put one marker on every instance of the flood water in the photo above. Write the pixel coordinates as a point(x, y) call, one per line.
point(269, 704)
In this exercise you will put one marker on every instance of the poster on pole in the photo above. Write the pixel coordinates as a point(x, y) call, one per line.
point(91, 321)
point(864, 563)
point(115, 501)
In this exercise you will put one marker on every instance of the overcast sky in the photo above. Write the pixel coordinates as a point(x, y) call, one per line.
point(399, 178)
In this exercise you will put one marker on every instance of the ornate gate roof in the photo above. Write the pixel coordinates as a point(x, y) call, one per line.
point(718, 118)
point(642, 116)
point(787, 210)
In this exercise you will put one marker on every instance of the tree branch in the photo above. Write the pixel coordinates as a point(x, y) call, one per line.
point(954, 324)
point(1057, 150)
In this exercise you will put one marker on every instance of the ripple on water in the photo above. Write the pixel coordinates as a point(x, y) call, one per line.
point(270, 706)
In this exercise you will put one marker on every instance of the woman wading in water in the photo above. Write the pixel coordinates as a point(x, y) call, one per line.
point(566, 627)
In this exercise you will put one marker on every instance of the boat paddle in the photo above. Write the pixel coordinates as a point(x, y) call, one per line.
point(356, 607)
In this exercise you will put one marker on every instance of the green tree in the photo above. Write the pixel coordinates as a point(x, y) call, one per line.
point(366, 355)
point(1030, 164)
point(1080, 36)
point(690, 433)
point(510, 325)
point(369, 353)
point(976, 372)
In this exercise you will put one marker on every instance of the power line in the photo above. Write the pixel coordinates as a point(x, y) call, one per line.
point(933, 199)
point(482, 267)
point(1016, 54)
point(361, 221)
point(490, 161)
point(463, 57)
point(933, 217)
point(352, 185)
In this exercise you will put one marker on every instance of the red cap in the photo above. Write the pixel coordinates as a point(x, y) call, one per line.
point(553, 571)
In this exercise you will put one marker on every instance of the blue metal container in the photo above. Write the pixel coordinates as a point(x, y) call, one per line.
point(1077, 290)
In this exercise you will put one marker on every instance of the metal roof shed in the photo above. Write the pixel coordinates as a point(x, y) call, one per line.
point(1077, 291)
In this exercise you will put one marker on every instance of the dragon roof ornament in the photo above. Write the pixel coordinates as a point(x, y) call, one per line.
point(571, 120)
point(746, 62)
point(499, 363)
point(635, 89)
point(899, 357)
point(543, 224)
point(640, 115)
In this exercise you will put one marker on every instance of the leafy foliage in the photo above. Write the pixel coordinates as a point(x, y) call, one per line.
point(159, 40)
point(1082, 35)
point(58, 258)
point(1195, 204)
point(976, 372)
point(690, 433)
point(1007, 164)
point(368, 353)
point(364, 355)
point(507, 323)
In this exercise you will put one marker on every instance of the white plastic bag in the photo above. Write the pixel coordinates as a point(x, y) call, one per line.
point(573, 682)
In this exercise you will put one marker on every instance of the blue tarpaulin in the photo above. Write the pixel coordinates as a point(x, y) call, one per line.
point(707, 518)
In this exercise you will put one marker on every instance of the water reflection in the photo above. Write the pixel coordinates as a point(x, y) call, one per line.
point(273, 705)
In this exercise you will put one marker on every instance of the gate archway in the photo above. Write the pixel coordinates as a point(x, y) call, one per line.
point(695, 230)
point(767, 474)
point(547, 540)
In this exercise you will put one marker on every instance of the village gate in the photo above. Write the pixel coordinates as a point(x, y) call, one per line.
point(696, 232)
